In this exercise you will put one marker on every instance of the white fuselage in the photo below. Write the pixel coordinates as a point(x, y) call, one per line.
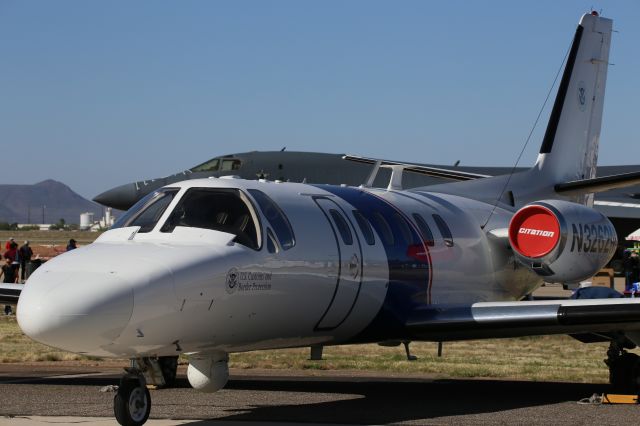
point(192, 289)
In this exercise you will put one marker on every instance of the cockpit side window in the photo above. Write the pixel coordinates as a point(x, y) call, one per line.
point(228, 165)
point(226, 210)
point(279, 222)
point(146, 212)
point(210, 166)
point(272, 246)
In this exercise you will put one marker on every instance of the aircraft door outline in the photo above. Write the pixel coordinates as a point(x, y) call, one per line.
point(350, 265)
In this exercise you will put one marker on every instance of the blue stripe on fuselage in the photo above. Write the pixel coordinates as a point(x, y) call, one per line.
point(408, 276)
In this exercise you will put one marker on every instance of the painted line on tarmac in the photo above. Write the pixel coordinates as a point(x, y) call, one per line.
point(99, 421)
point(54, 377)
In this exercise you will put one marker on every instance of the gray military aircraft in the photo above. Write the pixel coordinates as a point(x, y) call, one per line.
point(622, 206)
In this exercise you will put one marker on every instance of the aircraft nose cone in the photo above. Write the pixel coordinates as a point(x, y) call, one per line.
point(121, 197)
point(75, 311)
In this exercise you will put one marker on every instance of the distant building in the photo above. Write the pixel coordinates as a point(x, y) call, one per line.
point(41, 226)
point(87, 221)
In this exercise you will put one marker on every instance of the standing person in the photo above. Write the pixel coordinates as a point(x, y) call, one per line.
point(71, 245)
point(7, 246)
point(14, 256)
point(24, 253)
point(9, 273)
point(11, 253)
point(635, 268)
point(627, 262)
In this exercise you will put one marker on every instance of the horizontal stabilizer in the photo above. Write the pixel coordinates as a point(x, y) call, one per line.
point(417, 168)
point(599, 184)
point(514, 319)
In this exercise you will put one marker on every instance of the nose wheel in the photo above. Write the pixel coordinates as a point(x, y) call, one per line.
point(132, 403)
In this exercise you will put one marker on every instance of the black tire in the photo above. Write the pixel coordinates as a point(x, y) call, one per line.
point(132, 403)
point(169, 367)
point(624, 373)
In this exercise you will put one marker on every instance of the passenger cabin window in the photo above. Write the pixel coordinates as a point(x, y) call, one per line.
point(403, 226)
point(382, 226)
point(425, 231)
point(343, 227)
point(147, 212)
point(444, 230)
point(225, 210)
point(365, 227)
point(209, 166)
point(278, 221)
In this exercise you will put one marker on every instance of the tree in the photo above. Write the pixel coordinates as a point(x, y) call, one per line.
point(61, 225)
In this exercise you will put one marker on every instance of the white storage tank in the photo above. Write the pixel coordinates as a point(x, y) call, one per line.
point(86, 220)
point(108, 218)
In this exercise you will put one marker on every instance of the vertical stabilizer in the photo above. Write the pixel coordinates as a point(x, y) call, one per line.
point(569, 149)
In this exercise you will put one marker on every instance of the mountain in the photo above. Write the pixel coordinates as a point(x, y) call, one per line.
point(26, 203)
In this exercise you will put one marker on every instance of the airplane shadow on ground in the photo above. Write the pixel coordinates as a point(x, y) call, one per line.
point(363, 400)
point(390, 401)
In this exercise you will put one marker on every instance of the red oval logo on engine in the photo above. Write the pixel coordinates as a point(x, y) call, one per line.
point(534, 231)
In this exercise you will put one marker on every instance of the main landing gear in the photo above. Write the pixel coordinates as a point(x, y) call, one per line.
point(624, 369)
point(132, 403)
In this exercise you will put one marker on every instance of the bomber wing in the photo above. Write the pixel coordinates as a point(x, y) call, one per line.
point(417, 168)
point(599, 184)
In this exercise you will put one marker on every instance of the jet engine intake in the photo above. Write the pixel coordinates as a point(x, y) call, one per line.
point(208, 374)
point(562, 241)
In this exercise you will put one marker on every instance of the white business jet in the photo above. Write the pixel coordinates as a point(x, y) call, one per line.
point(211, 267)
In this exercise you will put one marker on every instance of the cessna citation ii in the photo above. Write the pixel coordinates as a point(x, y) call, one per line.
point(215, 266)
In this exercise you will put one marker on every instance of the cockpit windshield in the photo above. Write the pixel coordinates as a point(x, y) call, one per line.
point(219, 209)
point(218, 164)
point(146, 212)
point(209, 166)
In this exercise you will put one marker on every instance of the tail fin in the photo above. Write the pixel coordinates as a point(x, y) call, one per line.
point(569, 149)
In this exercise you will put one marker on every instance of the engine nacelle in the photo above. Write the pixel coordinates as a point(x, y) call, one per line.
point(208, 374)
point(562, 241)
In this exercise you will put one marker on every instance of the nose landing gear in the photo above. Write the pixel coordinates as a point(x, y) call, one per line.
point(132, 403)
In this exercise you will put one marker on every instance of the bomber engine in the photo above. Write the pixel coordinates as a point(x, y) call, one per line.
point(562, 241)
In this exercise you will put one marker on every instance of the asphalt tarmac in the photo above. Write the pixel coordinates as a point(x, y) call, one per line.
point(271, 397)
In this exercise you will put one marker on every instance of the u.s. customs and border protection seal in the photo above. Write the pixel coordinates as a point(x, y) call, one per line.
point(232, 280)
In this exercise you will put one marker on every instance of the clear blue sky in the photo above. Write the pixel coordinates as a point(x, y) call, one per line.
point(96, 94)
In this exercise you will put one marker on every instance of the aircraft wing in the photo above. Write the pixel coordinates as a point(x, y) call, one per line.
point(515, 319)
point(418, 168)
point(9, 293)
point(599, 184)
